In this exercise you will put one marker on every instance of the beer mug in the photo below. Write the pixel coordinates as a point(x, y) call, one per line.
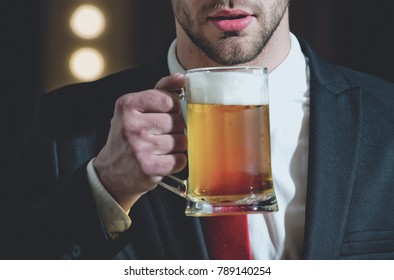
point(229, 157)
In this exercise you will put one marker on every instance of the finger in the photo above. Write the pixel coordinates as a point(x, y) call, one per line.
point(174, 81)
point(168, 144)
point(164, 144)
point(163, 165)
point(136, 123)
point(164, 123)
point(149, 101)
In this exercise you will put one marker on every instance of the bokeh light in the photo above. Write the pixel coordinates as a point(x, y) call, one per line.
point(87, 21)
point(87, 64)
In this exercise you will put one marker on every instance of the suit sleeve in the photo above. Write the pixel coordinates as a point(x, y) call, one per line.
point(51, 213)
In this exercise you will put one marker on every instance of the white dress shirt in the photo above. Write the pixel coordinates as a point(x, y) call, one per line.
point(281, 233)
point(277, 235)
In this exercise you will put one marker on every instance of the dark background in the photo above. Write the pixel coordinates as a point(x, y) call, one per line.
point(354, 33)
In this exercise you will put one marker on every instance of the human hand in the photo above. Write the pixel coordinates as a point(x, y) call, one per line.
point(146, 142)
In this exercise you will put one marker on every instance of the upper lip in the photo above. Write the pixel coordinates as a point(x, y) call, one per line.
point(226, 14)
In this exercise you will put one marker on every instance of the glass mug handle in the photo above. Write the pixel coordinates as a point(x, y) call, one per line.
point(171, 182)
point(175, 185)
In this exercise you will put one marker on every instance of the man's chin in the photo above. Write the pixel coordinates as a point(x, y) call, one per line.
point(230, 59)
point(229, 49)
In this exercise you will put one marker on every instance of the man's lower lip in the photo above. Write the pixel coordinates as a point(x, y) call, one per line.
point(232, 25)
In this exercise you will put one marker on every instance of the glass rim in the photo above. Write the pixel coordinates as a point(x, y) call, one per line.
point(226, 68)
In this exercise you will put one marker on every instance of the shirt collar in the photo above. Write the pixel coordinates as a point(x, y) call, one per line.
point(291, 77)
point(173, 64)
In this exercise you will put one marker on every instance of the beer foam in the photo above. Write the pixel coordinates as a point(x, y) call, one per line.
point(227, 88)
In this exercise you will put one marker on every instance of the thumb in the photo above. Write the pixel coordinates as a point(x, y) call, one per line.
point(174, 81)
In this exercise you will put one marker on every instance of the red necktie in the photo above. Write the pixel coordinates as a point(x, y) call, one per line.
point(227, 237)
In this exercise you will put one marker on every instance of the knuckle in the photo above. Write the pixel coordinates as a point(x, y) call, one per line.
point(125, 101)
point(158, 124)
point(139, 147)
point(135, 100)
point(133, 122)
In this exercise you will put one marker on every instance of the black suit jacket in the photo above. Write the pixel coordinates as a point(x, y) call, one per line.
point(350, 193)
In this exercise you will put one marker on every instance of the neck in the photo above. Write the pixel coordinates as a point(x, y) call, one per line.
point(272, 55)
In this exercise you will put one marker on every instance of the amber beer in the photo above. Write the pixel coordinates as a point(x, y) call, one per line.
point(229, 140)
point(229, 152)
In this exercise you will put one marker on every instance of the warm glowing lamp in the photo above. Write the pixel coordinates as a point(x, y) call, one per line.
point(87, 21)
point(87, 64)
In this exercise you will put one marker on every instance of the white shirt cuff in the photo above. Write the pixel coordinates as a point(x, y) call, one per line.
point(114, 218)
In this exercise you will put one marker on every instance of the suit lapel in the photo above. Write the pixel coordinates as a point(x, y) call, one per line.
point(335, 123)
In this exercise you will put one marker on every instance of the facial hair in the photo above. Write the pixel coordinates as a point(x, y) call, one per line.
point(232, 48)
